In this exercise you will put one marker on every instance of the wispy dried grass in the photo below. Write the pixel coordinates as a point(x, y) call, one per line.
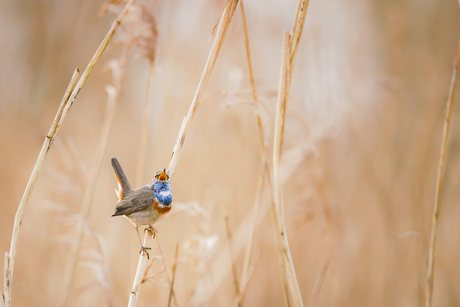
point(371, 176)
point(439, 180)
point(113, 92)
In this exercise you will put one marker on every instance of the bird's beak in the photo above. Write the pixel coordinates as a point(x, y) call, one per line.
point(163, 176)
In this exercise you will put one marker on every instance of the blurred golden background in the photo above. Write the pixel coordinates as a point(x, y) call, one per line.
point(363, 133)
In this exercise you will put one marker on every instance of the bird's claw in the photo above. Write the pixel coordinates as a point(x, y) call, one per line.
point(153, 230)
point(144, 250)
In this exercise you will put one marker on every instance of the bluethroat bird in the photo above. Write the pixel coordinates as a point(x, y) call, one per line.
point(145, 205)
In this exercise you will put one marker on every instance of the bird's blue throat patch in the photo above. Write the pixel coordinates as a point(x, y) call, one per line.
point(163, 192)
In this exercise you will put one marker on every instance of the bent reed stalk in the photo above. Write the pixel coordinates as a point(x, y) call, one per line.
point(57, 122)
point(70, 96)
point(222, 27)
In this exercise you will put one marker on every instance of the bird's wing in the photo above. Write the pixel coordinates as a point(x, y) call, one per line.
point(138, 200)
point(123, 183)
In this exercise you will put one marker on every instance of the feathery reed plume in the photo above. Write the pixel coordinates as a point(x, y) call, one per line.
point(10, 257)
point(176, 260)
point(113, 93)
point(222, 27)
point(439, 178)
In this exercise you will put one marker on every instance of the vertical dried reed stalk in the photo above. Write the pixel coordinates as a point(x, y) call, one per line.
point(112, 99)
point(176, 262)
point(57, 122)
point(140, 272)
point(290, 45)
point(222, 27)
point(263, 170)
point(283, 94)
point(440, 175)
point(265, 167)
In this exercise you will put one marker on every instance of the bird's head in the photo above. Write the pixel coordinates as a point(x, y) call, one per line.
point(162, 176)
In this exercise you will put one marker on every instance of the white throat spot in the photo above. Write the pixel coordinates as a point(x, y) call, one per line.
point(165, 193)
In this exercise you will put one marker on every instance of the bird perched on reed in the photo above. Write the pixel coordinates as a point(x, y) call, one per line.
point(145, 205)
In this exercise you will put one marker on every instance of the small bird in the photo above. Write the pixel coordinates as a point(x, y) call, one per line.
point(145, 205)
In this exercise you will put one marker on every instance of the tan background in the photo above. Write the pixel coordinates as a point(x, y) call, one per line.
point(362, 141)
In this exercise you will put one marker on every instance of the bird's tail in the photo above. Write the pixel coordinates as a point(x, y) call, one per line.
point(123, 183)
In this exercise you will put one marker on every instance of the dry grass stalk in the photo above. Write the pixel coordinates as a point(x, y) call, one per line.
point(327, 230)
point(248, 257)
point(70, 96)
point(265, 168)
point(290, 45)
point(171, 289)
point(141, 268)
point(162, 258)
point(283, 93)
point(298, 26)
point(440, 175)
point(57, 122)
point(224, 22)
point(235, 275)
point(112, 99)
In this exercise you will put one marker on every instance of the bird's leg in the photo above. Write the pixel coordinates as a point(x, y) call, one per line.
point(154, 231)
point(143, 249)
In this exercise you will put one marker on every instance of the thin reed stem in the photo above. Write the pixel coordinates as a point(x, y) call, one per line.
point(265, 168)
point(165, 268)
point(327, 229)
point(248, 257)
point(283, 94)
point(57, 122)
point(171, 289)
point(248, 50)
point(235, 276)
point(112, 101)
point(141, 161)
point(439, 180)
